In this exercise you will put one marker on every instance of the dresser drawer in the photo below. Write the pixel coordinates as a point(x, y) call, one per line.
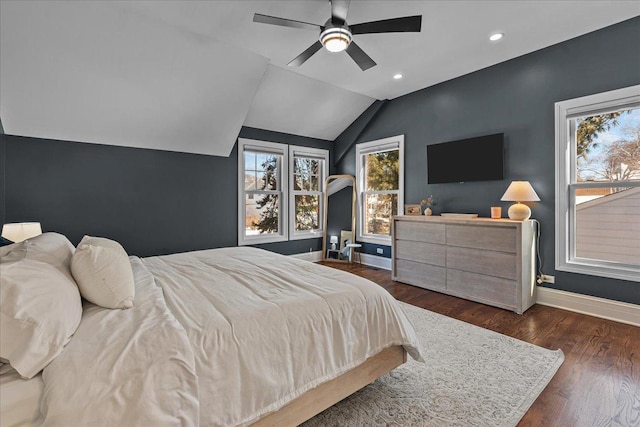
point(429, 253)
point(498, 264)
point(419, 231)
point(501, 239)
point(423, 275)
point(486, 288)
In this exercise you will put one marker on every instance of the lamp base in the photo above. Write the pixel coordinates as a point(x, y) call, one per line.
point(519, 212)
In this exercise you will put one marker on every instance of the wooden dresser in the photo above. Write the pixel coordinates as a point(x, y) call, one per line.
point(491, 261)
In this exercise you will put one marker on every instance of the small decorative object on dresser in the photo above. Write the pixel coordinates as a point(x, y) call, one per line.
point(412, 209)
point(496, 212)
point(429, 203)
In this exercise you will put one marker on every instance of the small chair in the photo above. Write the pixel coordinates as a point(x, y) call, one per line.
point(353, 250)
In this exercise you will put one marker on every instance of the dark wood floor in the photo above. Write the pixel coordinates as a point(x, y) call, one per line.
point(597, 385)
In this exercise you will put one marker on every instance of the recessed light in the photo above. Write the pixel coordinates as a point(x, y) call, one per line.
point(496, 36)
point(397, 76)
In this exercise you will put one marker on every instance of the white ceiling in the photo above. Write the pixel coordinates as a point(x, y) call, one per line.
point(186, 75)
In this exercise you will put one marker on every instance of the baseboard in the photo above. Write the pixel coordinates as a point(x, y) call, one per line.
point(375, 261)
point(366, 259)
point(593, 306)
point(309, 256)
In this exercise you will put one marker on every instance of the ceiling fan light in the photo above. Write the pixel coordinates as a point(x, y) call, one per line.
point(336, 44)
point(335, 39)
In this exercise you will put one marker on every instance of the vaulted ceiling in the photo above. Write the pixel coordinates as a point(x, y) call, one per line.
point(187, 75)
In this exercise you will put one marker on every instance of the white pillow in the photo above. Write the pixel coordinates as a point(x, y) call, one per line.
point(103, 272)
point(40, 305)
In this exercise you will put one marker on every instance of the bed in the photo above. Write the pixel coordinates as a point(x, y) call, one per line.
point(221, 337)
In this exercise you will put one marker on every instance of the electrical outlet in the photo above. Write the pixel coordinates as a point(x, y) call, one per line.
point(379, 251)
point(548, 279)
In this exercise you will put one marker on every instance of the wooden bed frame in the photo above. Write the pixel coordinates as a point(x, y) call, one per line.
point(325, 395)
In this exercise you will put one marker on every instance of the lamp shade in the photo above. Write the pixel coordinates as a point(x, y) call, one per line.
point(17, 232)
point(520, 191)
point(333, 239)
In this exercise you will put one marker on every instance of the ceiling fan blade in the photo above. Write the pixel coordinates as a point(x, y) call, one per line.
point(362, 59)
point(265, 19)
point(300, 59)
point(408, 24)
point(339, 10)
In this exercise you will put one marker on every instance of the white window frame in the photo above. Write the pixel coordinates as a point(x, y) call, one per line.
point(314, 153)
point(268, 147)
point(386, 144)
point(565, 111)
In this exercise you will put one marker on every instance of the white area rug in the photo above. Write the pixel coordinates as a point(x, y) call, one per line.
point(472, 377)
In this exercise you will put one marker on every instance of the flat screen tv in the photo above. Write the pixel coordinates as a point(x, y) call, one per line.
point(473, 159)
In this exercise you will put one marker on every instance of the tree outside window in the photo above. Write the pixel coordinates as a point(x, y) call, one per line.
point(382, 184)
point(608, 146)
point(263, 195)
point(379, 175)
point(307, 189)
point(309, 167)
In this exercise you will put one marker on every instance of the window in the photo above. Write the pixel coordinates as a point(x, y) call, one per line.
point(380, 178)
point(307, 179)
point(598, 184)
point(262, 204)
point(267, 193)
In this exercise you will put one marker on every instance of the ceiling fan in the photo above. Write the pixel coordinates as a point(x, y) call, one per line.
point(336, 35)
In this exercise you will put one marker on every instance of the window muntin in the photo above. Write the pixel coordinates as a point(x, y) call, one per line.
point(598, 184)
point(308, 173)
point(380, 179)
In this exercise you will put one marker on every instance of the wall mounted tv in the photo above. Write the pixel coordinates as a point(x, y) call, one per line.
point(473, 159)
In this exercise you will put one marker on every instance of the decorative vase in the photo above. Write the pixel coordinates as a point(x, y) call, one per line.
point(428, 212)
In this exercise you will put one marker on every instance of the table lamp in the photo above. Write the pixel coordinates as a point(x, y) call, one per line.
point(520, 191)
point(19, 231)
point(333, 240)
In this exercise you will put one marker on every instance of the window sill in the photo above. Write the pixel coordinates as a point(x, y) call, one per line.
point(620, 273)
point(260, 240)
point(303, 236)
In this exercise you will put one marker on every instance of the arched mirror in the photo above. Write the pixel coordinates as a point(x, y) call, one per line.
point(339, 218)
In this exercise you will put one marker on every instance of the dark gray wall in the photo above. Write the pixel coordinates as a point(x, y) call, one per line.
point(515, 97)
point(153, 202)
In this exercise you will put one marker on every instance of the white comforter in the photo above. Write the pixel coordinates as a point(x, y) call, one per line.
point(124, 367)
point(258, 329)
